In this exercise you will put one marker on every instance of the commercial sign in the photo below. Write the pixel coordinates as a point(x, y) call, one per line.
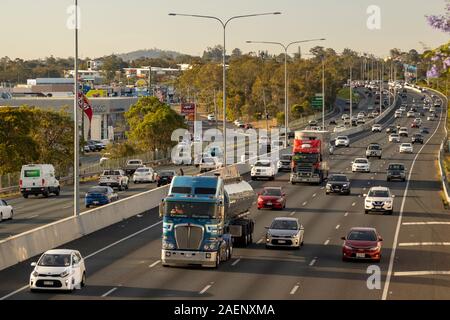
point(187, 109)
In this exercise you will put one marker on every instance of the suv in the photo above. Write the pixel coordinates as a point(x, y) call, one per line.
point(284, 164)
point(396, 171)
point(379, 199)
point(373, 150)
point(376, 128)
point(263, 169)
point(338, 183)
point(342, 141)
point(403, 132)
point(114, 179)
point(417, 138)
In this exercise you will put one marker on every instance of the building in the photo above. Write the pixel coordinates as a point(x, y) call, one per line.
point(142, 72)
point(91, 76)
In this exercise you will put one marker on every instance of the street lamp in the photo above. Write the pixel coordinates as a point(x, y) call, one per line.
point(224, 26)
point(76, 163)
point(285, 47)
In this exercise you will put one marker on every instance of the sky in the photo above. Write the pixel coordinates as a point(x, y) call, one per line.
point(38, 29)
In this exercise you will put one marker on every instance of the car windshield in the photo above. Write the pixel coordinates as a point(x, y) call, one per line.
point(360, 161)
point(98, 190)
point(208, 160)
point(134, 162)
point(338, 178)
point(143, 170)
point(271, 192)
point(111, 173)
point(284, 225)
point(396, 167)
point(55, 260)
point(262, 164)
point(374, 147)
point(190, 209)
point(394, 135)
point(406, 145)
point(342, 138)
point(379, 193)
point(286, 157)
point(166, 173)
point(362, 235)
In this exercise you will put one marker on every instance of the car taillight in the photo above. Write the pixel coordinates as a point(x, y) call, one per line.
point(157, 178)
point(43, 181)
point(20, 182)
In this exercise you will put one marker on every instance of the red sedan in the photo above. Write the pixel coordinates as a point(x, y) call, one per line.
point(362, 243)
point(415, 125)
point(272, 198)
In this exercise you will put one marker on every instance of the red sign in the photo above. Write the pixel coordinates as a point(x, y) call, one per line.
point(85, 105)
point(187, 108)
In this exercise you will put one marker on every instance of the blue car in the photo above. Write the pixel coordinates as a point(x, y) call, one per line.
point(99, 195)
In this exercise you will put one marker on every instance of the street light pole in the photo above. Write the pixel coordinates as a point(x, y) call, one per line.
point(285, 47)
point(323, 93)
point(224, 99)
point(76, 152)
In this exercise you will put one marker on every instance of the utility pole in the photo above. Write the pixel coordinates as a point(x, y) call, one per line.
point(266, 115)
point(76, 151)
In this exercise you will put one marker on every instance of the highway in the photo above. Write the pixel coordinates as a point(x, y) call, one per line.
point(123, 260)
point(37, 211)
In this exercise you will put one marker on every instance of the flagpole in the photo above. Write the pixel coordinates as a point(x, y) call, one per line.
point(76, 151)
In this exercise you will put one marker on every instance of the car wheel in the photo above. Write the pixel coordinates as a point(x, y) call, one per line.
point(25, 196)
point(83, 280)
point(293, 183)
point(388, 179)
point(366, 211)
point(11, 216)
point(126, 186)
point(58, 191)
point(45, 194)
point(1, 216)
point(88, 206)
point(377, 260)
point(344, 259)
point(217, 260)
point(120, 187)
point(327, 193)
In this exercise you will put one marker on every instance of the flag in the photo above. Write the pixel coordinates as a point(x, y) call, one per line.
point(85, 105)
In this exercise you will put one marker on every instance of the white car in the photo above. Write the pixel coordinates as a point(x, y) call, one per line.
point(406, 148)
point(342, 141)
point(379, 199)
point(211, 117)
point(238, 123)
point(376, 128)
point(58, 269)
point(264, 168)
point(402, 108)
point(6, 211)
point(210, 163)
point(360, 165)
point(263, 140)
point(144, 174)
point(403, 132)
point(345, 116)
point(398, 114)
point(394, 137)
point(339, 128)
point(411, 114)
point(375, 114)
point(430, 118)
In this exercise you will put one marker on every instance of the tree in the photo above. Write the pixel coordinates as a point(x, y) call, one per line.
point(214, 54)
point(151, 124)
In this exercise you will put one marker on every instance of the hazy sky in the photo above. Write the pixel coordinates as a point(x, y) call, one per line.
point(37, 28)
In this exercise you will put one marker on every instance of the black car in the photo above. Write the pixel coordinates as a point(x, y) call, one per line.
point(424, 131)
point(417, 138)
point(338, 183)
point(332, 122)
point(391, 129)
point(284, 164)
point(165, 177)
point(396, 171)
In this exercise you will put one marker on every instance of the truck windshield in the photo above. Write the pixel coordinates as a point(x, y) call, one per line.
point(190, 209)
point(306, 157)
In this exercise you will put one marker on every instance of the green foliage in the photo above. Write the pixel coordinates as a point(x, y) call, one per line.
point(280, 118)
point(29, 135)
point(151, 124)
point(120, 150)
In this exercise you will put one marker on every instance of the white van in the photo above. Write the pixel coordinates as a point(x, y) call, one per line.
point(38, 179)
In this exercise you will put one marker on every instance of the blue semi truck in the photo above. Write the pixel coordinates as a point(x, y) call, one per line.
point(204, 217)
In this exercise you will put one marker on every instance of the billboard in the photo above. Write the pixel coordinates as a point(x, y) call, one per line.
point(188, 109)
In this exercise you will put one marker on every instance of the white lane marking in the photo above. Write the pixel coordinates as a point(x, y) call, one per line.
point(67, 207)
point(259, 241)
point(36, 215)
point(424, 223)
point(400, 215)
point(420, 273)
point(294, 289)
point(206, 288)
point(14, 292)
point(327, 242)
point(346, 214)
point(292, 213)
point(353, 204)
point(338, 226)
point(109, 292)
point(371, 178)
point(315, 194)
point(322, 188)
point(235, 262)
point(412, 244)
point(313, 261)
point(304, 203)
point(154, 264)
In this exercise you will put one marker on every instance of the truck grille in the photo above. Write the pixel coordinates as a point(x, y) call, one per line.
point(188, 237)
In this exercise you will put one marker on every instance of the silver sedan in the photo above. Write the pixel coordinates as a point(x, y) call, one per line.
point(285, 232)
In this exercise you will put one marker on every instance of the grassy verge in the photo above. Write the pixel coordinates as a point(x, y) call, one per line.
point(344, 93)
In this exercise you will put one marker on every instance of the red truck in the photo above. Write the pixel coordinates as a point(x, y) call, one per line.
point(310, 156)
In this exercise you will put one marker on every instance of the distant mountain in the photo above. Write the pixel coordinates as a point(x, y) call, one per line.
point(148, 53)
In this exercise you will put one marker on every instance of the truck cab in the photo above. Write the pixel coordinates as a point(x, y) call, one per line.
point(203, 217)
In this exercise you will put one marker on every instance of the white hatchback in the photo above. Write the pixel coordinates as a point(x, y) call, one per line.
point(394, 137)
point(406, 148)
point(58, 269)
point(6, 211)
point(342, 141)
point(144, 174)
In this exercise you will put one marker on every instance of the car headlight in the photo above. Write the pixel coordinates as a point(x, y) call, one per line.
point(279, 200)
point(35, 273)
point(345, 185)
point(368, 201)
point(347, 247)
point(388, 202)
point(375, 248)
point(64, 274)
point(328, 185)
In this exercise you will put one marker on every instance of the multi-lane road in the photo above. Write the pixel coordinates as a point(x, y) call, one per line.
point(123, 260)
